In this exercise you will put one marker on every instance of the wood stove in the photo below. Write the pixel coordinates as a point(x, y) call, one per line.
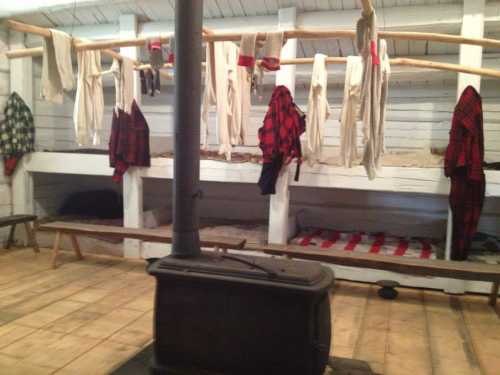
point(241, 315)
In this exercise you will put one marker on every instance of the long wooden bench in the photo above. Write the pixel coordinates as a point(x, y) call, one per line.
point(421, 267)
point(13, 220)
point(151, 235)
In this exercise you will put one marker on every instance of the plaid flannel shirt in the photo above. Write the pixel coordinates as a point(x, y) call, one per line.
point(129, 141)
point(17, 131)
point(464, 165)
point(283, 124)
point(466, 146)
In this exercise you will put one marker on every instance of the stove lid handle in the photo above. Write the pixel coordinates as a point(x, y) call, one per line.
point(270, 273)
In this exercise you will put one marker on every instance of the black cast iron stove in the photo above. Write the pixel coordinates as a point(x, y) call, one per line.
point(242, 315)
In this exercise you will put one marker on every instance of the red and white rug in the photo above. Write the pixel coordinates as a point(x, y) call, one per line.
point(376, 243)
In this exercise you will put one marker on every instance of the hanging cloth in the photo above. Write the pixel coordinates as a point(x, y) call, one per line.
point(279, 138)
point(57, 66)
point(372, 102)
point(348, 116)
point(129, 141)
point(89, 100)
point(272, 51)
point(247, 50)
point(318, 109)
point(464, 165)
point(123, 73)
point(17, 132)
point(223, 89)
point(155, 53)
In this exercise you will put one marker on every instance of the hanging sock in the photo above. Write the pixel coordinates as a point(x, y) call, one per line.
point(144, 85)
point(57, 67)
point(155, 53)
point(272, 51)
point(247, 50)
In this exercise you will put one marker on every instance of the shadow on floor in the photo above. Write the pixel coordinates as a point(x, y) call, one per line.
point(139, 365)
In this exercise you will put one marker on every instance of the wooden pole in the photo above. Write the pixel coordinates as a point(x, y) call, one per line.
point(210, 36)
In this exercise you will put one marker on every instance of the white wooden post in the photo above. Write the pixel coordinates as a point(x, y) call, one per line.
point(132, 180)
point(472, 27)
point(280, 202)
point(21, 81)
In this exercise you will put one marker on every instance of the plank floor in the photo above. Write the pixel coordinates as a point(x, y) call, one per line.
point(92, 316)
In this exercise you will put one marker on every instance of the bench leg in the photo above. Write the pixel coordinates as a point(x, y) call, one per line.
point(495, 286)
point(30, 233)
point(55, 250)
point(76, 246)
point(10, 240)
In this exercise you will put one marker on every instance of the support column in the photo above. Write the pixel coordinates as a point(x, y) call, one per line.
point(21, 81)
point(472, 27)
point(132, 180)
point(279, 205)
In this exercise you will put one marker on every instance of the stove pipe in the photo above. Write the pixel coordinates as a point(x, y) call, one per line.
point(186, 189)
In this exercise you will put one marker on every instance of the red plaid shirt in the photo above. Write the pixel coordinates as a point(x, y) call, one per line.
point(129, 141)
point(464, 165)
point(466, 147)
point(283, 125)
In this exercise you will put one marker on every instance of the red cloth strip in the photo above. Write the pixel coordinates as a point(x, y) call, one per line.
point(353, 242)
point(330, 241)
point(426, 250)
point(307, 239)
point(270, 63)
point(402, 247)
point(379, 242)
point(246, 61)
point(374, 53)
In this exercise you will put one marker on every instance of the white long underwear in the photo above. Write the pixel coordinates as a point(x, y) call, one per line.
point(318, 109)
point(348, 117)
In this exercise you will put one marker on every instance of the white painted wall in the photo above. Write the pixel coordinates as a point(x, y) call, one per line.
point(5, 191)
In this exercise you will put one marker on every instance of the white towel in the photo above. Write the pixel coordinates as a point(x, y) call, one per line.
point(57, 67)
point(123, 72)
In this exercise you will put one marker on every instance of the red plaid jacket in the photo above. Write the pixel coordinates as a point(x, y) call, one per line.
point(466, 147)
point(283, 124)
point(129, 141)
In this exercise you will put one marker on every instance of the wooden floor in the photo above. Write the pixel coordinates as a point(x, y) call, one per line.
point(90, 317)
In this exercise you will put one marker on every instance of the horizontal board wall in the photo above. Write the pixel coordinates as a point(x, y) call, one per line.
point(418, 118)
point(5, 190)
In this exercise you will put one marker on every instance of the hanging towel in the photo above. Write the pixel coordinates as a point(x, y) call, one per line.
point(123, 72)
point(57, 67)
point(464, 165)
point(247, 50)
point(171, 51)
point(17, 132)
point(318, 109)
point(89, 100)
point(272, 51)
point(234, 94)
point(352, 92)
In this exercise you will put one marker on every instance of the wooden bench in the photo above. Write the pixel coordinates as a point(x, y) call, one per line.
point(151, 235)
point(13, 220)
point(409, 266)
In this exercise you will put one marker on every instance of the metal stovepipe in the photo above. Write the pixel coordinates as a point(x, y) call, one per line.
point(186, 184)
